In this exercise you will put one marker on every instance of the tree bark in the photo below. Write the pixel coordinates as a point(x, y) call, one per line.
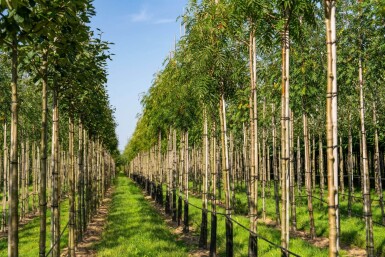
point(55, 211)
point(285, 140)
point(43, 158)
point(331, 128)
point(13, 223)
point(377, 166)
point(5, 178)
point(308, 183)
point(365, 171)
point(71, 184)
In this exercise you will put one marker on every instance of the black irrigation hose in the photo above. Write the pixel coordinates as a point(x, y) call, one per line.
point(361, 216)
point(305, 196)
point(342, 210)
point(265, 239)
point(358, 197)
point(256, 235)
point(61, 234)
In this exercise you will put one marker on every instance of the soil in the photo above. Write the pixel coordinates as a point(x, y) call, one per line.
point(320, 242)
point(191, 238)
point(94, 230)
point(28, 218)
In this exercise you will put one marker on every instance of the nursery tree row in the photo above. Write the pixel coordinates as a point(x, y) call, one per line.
point(58, 127)
point(247, 102)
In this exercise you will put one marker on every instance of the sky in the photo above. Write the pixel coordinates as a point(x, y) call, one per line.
point(143, 33)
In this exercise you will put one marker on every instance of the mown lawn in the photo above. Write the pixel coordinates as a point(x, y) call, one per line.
point(134, 228)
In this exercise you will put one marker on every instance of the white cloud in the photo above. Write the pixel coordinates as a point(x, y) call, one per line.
point(142, 16)
point(164, 21)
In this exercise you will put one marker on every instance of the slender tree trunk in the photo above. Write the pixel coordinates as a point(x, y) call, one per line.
point(186, 169)
point(313, 169)
point(321, 166)
point(43, 159)
point(309, 191)
point(5, 178)
point(253, 183)
point(377, 166)
point(27, 174)
point(80, 182)
point(350, 169)
point(285, 142)
point(203, 235)
point(85, 192)
point(299, 168)
point(214, 167)
point(341, 168)
point(264, 169)
point(71, 183)
point(174, 175)
point(226, 176)
point(331, 128)
point(365, 171)
point(13, 223)
point(292, 184)
point(275, 167)
point(55, 211)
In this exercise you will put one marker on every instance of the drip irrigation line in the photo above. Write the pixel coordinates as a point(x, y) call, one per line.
point(315, 197)
point(247, 229)
point(358, 197)
point(263, 238)
point(360, 216)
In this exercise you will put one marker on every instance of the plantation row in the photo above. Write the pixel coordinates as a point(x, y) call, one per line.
point(58, 129)
point(245, 111)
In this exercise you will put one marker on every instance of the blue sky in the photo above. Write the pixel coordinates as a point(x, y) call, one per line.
point(143, 32)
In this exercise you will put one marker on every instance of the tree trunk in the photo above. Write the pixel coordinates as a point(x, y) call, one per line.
point(285, 141)
point(5, 178)
point(308, 183)
point(331, 128)
point(365, 171)
point(203, 234)
point(253, 183)
point(350, 169)
point(226, 175)
point(341, 169)
point(275, 168)
point(292, 184)
point(321, 167)
point(214, 173)
point(313, 169)
point(186, 170)
point(43, 159)
point(377, 166)
point(80, 182)
point(55, 211)
point(13, 223)
point(71, 183)
point(299, 173)
point(264, 169)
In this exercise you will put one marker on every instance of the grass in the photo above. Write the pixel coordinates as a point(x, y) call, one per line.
point(29, 235)
point(134, 228)
point(352, 228)
point(298, 246)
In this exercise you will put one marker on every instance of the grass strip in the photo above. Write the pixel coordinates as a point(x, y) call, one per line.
point(134, 228)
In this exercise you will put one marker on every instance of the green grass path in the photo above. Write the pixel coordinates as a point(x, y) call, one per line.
point(134, 228)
